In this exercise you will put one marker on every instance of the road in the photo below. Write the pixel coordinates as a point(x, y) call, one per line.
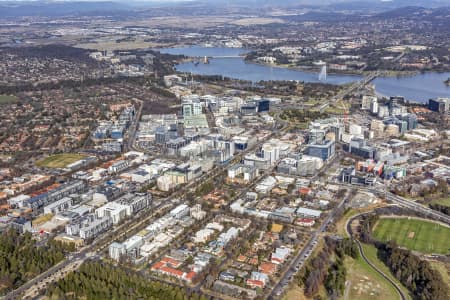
point(133, 127)
point(363, 256)
point(356, 85)
point(380, 190)
point(16, 294)
point(298, 261)
point(417, 207)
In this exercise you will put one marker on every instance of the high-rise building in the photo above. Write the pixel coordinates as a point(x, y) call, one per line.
point(440, 105)
point(191, 106)
point(323, 150)
point(395, 101)
point(411, 119)
point(383, 111)
point(374, 107)
point(316, 136)
point(367, 101)
point(271, 153)
point(359, 147)
point(192, 109)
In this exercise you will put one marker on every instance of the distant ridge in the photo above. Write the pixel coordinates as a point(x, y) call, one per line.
point(39, 8)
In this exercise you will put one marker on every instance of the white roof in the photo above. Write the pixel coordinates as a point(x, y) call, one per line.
point(308, 212)
point(19, 198)
point(179, 209)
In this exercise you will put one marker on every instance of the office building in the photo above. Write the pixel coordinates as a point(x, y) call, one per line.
point(316, 136)
point(360, 148)
point(60, 192)
point(367, 101)
point(374, 107)
point(115, 211)
point(58, 206)
point(440, 105)
point(191, 107)
point(92, 227)
point(135, 202)
point(324, 150)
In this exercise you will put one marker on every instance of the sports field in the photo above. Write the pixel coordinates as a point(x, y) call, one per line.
point(8, 99)
point(442, 201)
point(59, 160)
point(418, 235)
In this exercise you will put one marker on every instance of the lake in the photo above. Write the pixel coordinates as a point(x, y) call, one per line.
point(420, 87)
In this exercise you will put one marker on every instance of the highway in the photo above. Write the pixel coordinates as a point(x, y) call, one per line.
point(133, 128)
point(380, 190)
point(417, 207)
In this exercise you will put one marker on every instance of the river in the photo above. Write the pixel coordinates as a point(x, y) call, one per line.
point(419, 88)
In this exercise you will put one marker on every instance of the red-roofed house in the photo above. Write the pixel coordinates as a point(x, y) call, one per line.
point(242, 258)
point(307, 222)
point(171, 261)
point(257, 279)
point(167, 266)
point(189, 276)
point(253, 261)
point(255, 283)
point(304, 191)
point(267, 268)
point(171, 271)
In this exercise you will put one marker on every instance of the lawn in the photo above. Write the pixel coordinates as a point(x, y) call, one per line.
point(294, 293)
point(8, 99)
point(59, 160)
point(418, 235)
point(363, 282)
point(444, 269)
point(442, 201)
point(340, 225)
point(371, 253)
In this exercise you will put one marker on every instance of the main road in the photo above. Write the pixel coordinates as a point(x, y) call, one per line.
point(298, 261)
point(380, 190)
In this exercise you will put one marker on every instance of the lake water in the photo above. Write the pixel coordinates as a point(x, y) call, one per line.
point(420, 87)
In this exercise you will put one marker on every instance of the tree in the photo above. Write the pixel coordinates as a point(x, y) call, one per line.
point(21, 259)
point(97, 280)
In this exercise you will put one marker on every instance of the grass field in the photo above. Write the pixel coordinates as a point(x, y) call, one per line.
point(8, 99)
point(59, 160)
point(365, 283)
point(371, 254)
point(340, 225)
point(442, 201)
point(443, 269)
point(418, 235)
point(256, 21)
point(294, 293)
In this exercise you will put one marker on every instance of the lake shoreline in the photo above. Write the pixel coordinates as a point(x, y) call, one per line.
point(414, 86)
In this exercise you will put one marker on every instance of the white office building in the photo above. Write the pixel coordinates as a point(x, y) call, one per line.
point(58, 206)
point(115, 211)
